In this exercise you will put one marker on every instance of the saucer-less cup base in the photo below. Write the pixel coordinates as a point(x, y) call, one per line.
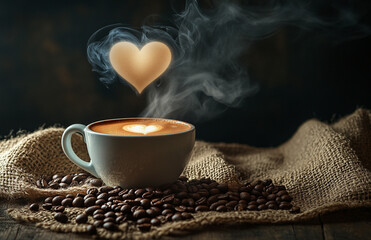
point(132, 161)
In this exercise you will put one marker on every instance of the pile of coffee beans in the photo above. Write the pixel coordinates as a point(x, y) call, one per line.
point(147, 207)
point(64, 181)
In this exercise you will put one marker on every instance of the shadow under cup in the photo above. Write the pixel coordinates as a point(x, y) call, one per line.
point(132, 160)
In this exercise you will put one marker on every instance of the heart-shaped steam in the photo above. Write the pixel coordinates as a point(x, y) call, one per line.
point(140, 67)
point(141, 128)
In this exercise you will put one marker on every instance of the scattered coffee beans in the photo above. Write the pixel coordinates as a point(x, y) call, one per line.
point(82, 218)
point(64, 181)
point(147, 207)
point(61, 217)
point(34, 207)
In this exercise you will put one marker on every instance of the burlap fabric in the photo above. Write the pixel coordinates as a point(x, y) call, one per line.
point(325, 167)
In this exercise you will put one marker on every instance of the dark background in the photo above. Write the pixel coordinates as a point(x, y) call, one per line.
point(46, 78)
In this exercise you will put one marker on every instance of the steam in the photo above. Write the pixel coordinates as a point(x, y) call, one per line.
point(205, 78)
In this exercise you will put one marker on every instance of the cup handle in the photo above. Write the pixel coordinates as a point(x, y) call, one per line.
point(67, 148)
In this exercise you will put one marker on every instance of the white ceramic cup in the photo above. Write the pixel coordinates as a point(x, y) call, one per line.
point(132, 161)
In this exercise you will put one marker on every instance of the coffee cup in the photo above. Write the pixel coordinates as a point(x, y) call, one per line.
point(133, 152)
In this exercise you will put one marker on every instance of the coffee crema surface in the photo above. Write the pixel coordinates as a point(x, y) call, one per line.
point(140, 127)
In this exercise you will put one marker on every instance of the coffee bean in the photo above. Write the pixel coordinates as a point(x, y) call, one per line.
point(186, 215)
point(257, 182)
point(218, 203)
point(252, 207)
point(80, 195)
point(180, 208)
point(100, 202)
point(91, 229)
point(109, 219)
point(295, 209)
point(47, 206)
point(48, 200)
point(57, 200)
point(212, 199)
point(78, 202)
point(221, 208)
point(155, 222)
point(105, 189)
point(143, 220)
point(145, 203)
point(202, 208)
point(115, 191)
point(98, 211)
point(60, 217)
point(67, 179)
point(245, 196)
point(82, 218)
point(147, 195)
point(78, 178)
point(98, 223)
point(56, 176)
point(168, 198)
point(281, 193)
point(182, 195)
point(34, 207)
point(177, 217)
point(273, 206)
point(285, 205)
point(58, 208)
point(90, 210)
point(109, 226)
point(38, 184)
point(271, 196)
point(67, 202)
point(89, 201)
point(156, 202)
point(286, 198)
point(261, 201)
point(231, 204)
point(125, 208)
point(110, 214)
point(166, 212)
point(145, 227)
point(96, 182)
point(252, 203)
point(88, 196)
point(128, 196)
point(139, 192)
point(262, 207)
point(120, 219)
point(98, 216)
point(103, 196)
point(70, 196)
point(140, 213)
point(214, 191)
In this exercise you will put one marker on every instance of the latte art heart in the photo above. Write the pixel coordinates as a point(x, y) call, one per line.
point(140, 67)
point(140, 128)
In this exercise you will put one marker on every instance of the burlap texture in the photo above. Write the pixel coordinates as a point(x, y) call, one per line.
point(325, 167)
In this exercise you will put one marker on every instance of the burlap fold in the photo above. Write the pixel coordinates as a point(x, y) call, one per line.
point(325, 167)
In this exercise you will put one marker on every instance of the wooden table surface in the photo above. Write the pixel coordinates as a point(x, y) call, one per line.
point(346, 224)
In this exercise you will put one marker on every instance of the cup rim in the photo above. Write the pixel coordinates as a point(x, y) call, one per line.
point(87, 128)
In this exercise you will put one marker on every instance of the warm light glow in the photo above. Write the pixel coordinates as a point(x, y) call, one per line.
point(141, 128)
